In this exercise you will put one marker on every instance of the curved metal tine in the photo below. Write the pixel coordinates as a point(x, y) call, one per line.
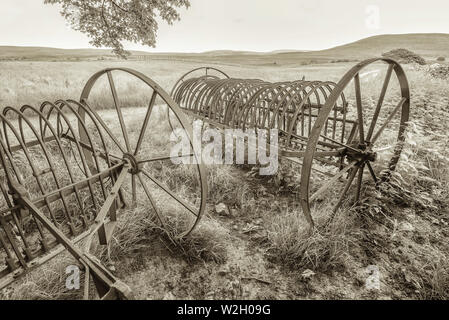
point(161, 185)
point(345, 189)
point(50, 160)
point(153, 203)
point(359, 182)
point(17, 174)
point(358, 95)
point(333, 180)
point(25, 149)
point(85, 166)
point(119, 111)
point(14, 216)
point(390, 117)
point(145, 122)
point(59, 109)
point(105, 127)
point(380, 102)
point(372, 173)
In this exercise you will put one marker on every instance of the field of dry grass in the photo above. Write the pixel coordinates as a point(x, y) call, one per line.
point(262, 249)
point(28, 82)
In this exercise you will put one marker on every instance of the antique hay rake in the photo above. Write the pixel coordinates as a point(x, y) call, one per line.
point(69, 169)
point(327, 128)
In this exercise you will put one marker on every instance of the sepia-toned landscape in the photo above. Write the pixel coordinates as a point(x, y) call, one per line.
point(253, 241)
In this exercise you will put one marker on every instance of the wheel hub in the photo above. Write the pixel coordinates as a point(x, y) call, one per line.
point(362, 154)
point(133, 161)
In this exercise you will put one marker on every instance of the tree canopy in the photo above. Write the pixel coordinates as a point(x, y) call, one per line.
point(110, 22)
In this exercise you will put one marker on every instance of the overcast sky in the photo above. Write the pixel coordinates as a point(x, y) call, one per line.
point(257, 25)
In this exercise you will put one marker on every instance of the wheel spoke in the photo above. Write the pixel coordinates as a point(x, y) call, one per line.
point(105, 127)
point(340, 144)
point(119, 111)
point(390, 117)
point(295, 160)
point(383, 149)
point(145, 122)
point(162, 158)
point(380, 102)
point(371, 171)
point(353, 133)
point(161, 185)
point(358, 95)
point(153, 203)
point(329, 183)
point(359, 182)
point(345, 189)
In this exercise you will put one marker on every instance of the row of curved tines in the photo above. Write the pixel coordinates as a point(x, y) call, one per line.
point(41, 149)
point(291, 107)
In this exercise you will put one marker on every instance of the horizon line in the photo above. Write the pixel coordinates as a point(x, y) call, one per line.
point(217, 50)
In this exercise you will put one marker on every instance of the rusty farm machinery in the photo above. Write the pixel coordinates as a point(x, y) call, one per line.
point(325, 133)
point(69, 170)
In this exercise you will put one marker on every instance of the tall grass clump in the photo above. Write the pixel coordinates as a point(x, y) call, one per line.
point(327, 248)
point(139, 230)
point(48, 282)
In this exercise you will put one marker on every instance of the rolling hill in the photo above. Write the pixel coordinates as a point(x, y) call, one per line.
point(425, 44)
point(42, 53)
point(429, 46)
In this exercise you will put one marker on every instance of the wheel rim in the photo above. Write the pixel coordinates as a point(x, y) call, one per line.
point(153, 175)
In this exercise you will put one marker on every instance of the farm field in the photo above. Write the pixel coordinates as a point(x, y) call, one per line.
point(260, 248)
point(33, 82)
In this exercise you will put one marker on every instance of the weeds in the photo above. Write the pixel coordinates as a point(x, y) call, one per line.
point(291, 244)
point(46, 283)
point(139, 230)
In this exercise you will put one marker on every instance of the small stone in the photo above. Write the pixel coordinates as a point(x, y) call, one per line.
point(157, 166)
point(435, 221)
point(307, 274)
point(169, 296)
point(406, 226)
point(222, 209)
point(112, 268)
point(234, 213)
point(210, 295)
point(223, 271)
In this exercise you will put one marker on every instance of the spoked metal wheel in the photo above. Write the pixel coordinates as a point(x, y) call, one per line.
point(353, 142)
point(131, 111)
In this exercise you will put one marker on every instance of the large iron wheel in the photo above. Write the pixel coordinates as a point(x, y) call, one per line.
point(367, 147)
point(137, 134)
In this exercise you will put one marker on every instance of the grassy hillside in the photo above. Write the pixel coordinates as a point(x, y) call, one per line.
point(44, 53)
point(427, 45)
point(430, 46)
